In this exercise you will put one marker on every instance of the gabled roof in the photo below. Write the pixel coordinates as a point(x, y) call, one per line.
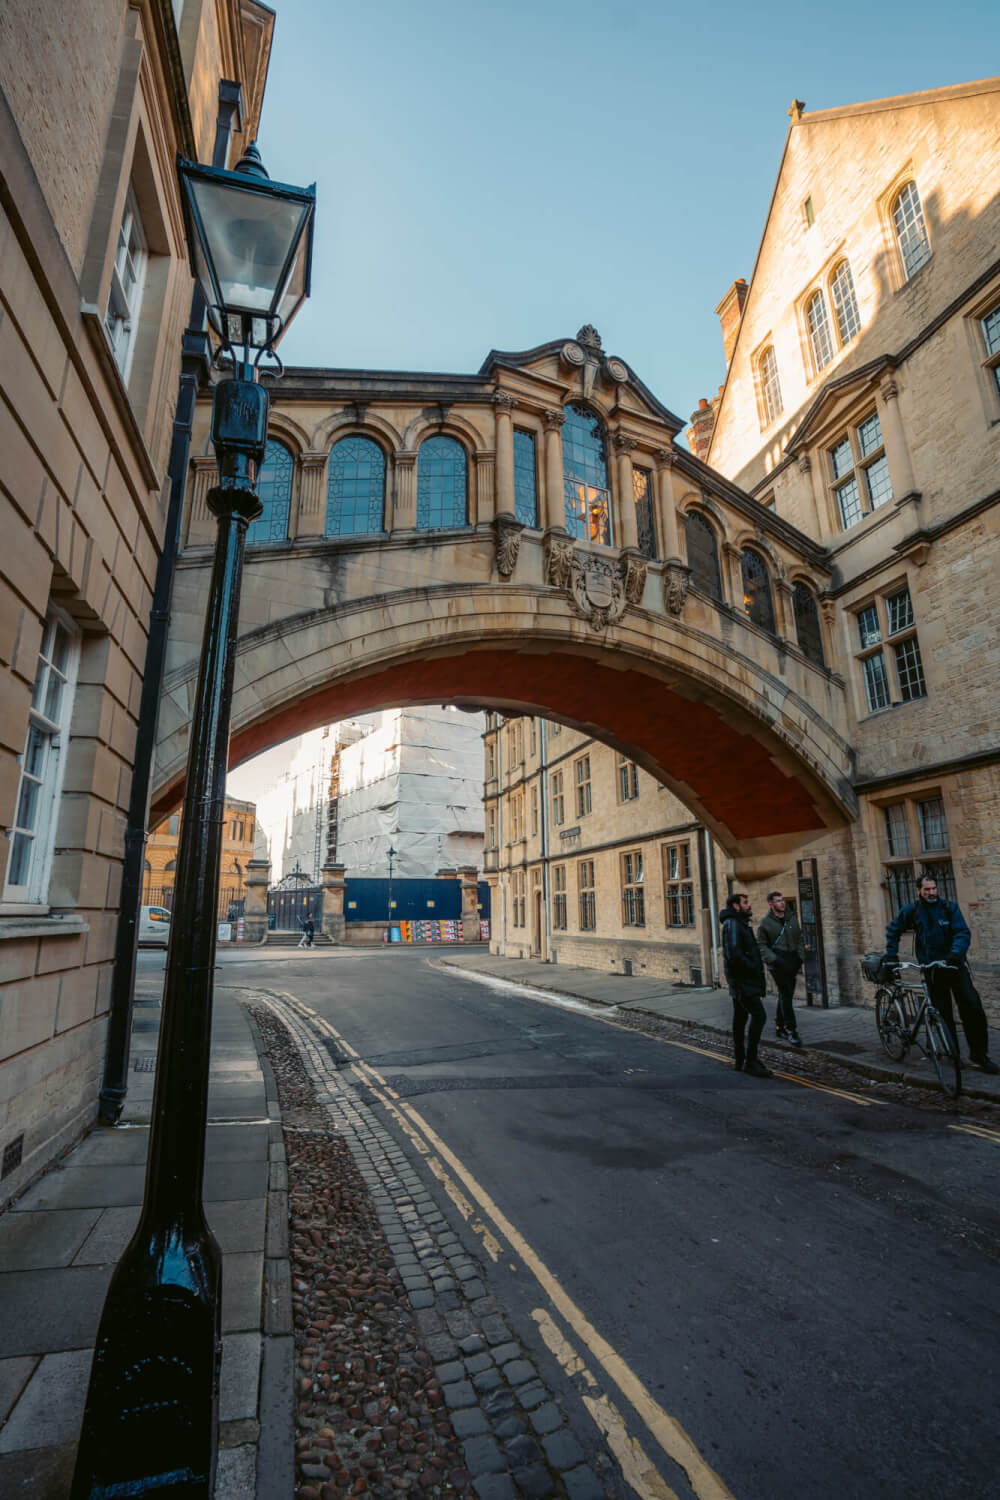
point(524, 358)
point(800, 120)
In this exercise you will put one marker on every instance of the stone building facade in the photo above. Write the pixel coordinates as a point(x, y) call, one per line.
point(95, 293)
point(591, 861)
point(862, 403)
point(239, 831)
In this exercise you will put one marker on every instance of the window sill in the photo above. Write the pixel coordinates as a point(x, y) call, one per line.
point(26, 922)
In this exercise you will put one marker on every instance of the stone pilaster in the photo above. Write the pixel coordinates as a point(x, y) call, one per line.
point(405, 517)
point(311, 520)
point(469, 876)
point(333, 922)
point(484, 500)
point(555, 502)
point(200, 524)
point(257, 879)
point(627, 531)
point(733, 582)
point(503, 406)
point(666, 483)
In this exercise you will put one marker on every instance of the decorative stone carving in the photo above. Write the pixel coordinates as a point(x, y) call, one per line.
point(616, 370)
point(635, 576)
point(504, 401)
point(589, 337)
point(676, 582)
point(624, 443)
point(558, 559)
point(666, 457)
point(572, 355)
point(508, 538)
point(889, 389)
point(597, 589)
point(805, 463)
point(553, 419)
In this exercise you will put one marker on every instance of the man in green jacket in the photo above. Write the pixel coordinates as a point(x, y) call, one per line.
point(779, 938)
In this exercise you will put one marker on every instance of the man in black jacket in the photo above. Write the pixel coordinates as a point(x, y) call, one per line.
point(779, 938)
point(745, 976)
point(941, 932)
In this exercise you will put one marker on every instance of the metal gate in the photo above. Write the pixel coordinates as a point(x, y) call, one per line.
point(292, 900)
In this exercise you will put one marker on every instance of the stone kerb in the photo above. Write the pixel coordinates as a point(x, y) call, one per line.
point(338, 661)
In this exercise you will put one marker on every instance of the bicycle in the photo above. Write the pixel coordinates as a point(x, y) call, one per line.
point(902, 1009)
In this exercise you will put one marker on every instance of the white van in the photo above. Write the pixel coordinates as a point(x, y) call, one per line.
point(154, 926)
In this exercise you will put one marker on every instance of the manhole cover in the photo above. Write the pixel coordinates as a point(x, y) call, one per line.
point(846, 1049)
point(144, 1064)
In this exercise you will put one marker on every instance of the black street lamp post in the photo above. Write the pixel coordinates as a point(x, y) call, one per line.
point(151, 1418)
point(392, 855)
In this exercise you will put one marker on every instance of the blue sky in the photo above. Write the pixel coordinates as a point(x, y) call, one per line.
point(496, 175)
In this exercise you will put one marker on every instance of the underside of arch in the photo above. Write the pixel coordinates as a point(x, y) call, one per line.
point(731, 770)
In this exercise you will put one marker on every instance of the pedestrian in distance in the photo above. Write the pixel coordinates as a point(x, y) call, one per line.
point(941, 932)
point(308, 929)
point(779, 938)
point(745, 977)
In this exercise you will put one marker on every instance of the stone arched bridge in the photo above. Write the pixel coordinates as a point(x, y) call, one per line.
point(641, 637)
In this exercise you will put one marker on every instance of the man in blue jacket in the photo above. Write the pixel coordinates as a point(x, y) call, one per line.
point(745, 975)
point(941, 932)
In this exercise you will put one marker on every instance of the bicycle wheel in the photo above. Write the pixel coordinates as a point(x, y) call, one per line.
point(891, 1025)
point(944, 1054)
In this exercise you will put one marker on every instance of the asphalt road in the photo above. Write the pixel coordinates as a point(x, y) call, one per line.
point(806, 1283)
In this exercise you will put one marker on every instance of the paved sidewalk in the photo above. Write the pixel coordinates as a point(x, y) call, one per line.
point(846, 1034)
point(60, 1240)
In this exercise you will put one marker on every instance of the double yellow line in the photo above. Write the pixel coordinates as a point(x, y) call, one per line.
point(499, 1236)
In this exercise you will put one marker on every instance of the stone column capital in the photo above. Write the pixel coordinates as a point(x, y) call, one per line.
point(504, 401)
point(666, 458)
point(405, 458)
point(553, 420)
point(805, 463)
point(888, 388)
point(624, 444)
point(313, 458)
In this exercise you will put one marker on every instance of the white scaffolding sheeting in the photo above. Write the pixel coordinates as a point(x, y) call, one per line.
point(415, 784)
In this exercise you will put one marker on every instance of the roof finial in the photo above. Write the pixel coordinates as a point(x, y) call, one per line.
point(797, 110)
point(589, 337)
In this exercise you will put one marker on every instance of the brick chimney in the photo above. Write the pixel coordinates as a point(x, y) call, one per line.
point(699, 434)
point(730, 311)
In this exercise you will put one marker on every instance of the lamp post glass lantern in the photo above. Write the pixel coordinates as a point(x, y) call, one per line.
point(151, 1418)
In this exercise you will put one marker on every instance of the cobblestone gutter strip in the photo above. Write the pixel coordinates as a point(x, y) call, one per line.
point(408, 1379)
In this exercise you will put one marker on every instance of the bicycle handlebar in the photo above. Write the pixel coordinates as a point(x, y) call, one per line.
point(935, 963)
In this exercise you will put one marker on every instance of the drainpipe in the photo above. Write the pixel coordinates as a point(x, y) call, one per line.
point(546, 890)
point(195, 364)
point(713, 896)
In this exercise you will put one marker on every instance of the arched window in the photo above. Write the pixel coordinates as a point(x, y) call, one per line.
point(642, 487)
point(525, 478)
point(585, 476)
point(845, 304)
point(770, 387)
point(703, 555)
point(355, 488)
point(274, 486)
point(807, 626)
point(820, 341)
point(911, 231)
point(757, 590)
point(441, 484)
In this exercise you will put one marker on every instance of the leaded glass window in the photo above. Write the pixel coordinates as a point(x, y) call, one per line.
point(849, 503)
point(911, 231)
point(274, 488)
point(899, 608)
point(909, 669)
point(525, 480)
point(860, 455)
point(355, 488)
point(845, 304)
point(770, 386)
point(869, 631)
point(441, 484)
point(897, 829)
point(807, 626)
point(819, 330)
point(585, 476)
point(933, 828)
point(757, 590)
point(876, 682)
point(703, 555)
point(642, 486)
point(991, 336)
